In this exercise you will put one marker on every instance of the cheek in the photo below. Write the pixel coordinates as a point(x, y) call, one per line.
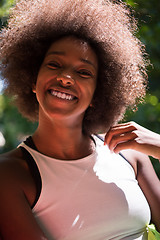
point(38, 88)
point(94, 85)
point(90, 89)
point(42, 78)
point(39, 79)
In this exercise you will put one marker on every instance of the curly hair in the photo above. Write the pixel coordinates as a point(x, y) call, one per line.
point(110, 29)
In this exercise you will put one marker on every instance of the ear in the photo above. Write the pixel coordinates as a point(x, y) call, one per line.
point(34, 88)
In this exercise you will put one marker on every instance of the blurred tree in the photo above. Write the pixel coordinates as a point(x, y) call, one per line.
point(14, 127)
point(147, 13)
point(148, 114)
point(5, 6)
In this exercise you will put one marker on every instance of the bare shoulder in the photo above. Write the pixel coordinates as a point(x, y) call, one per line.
point(14, 173)
point(141, 163)
point(12, 169)
point(11, 160)
point(134, 158)
point(11, 166)
point(17, 195)
point(143, 168)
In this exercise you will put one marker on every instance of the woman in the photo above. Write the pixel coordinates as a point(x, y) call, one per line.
point(70, 66)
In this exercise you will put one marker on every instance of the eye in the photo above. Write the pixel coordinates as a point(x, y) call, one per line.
point(85, 73)
point(53, 65)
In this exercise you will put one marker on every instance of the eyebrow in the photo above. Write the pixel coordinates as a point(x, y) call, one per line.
point(55, 53)
point(63, 54)
point(87, 61)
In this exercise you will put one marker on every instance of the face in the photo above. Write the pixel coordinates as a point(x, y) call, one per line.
point(67, 79)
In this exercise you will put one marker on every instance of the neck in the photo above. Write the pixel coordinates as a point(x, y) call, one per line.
point(62, 142)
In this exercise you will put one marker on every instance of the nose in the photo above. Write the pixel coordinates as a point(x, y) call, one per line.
point(65, 79)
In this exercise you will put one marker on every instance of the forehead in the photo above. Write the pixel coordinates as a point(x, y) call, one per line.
point(74, 46)
point(71, 40)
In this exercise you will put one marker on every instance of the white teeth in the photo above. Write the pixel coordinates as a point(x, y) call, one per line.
point(61, 95)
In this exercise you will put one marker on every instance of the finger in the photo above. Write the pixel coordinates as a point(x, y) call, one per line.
point(118, 130)
point(143, 148)
point(125, 145)
point(121, 138)
point(122, 124)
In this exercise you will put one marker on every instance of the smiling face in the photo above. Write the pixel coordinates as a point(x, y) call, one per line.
point(67, 79)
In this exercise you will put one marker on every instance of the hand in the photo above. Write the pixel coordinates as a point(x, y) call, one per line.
point(133, 136)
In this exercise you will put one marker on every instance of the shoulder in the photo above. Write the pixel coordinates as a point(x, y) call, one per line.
point(145, 172)
point(140, 162)
point(10, 164)
point(15, 174)
point(17, 195)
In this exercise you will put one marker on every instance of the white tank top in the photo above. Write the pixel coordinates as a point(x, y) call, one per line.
point(93, 198)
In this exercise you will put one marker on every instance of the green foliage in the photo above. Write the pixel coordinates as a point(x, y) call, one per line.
point(148, 114)
point(5, 6)
point(12, 125)
point(152, 233)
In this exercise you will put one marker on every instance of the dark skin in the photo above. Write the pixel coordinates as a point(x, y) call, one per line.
point(18, 192)
point(72, 71)
point(75, 81)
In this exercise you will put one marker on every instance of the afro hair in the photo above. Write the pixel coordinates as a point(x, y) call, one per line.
point(110, 29)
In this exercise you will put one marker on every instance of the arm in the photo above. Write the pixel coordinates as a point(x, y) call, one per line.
point(133, 136)
point(150, 186)
point(16, 219)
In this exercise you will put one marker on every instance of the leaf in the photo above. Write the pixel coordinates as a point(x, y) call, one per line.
point(152, 233)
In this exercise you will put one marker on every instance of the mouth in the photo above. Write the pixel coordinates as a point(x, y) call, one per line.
point(62, 95)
